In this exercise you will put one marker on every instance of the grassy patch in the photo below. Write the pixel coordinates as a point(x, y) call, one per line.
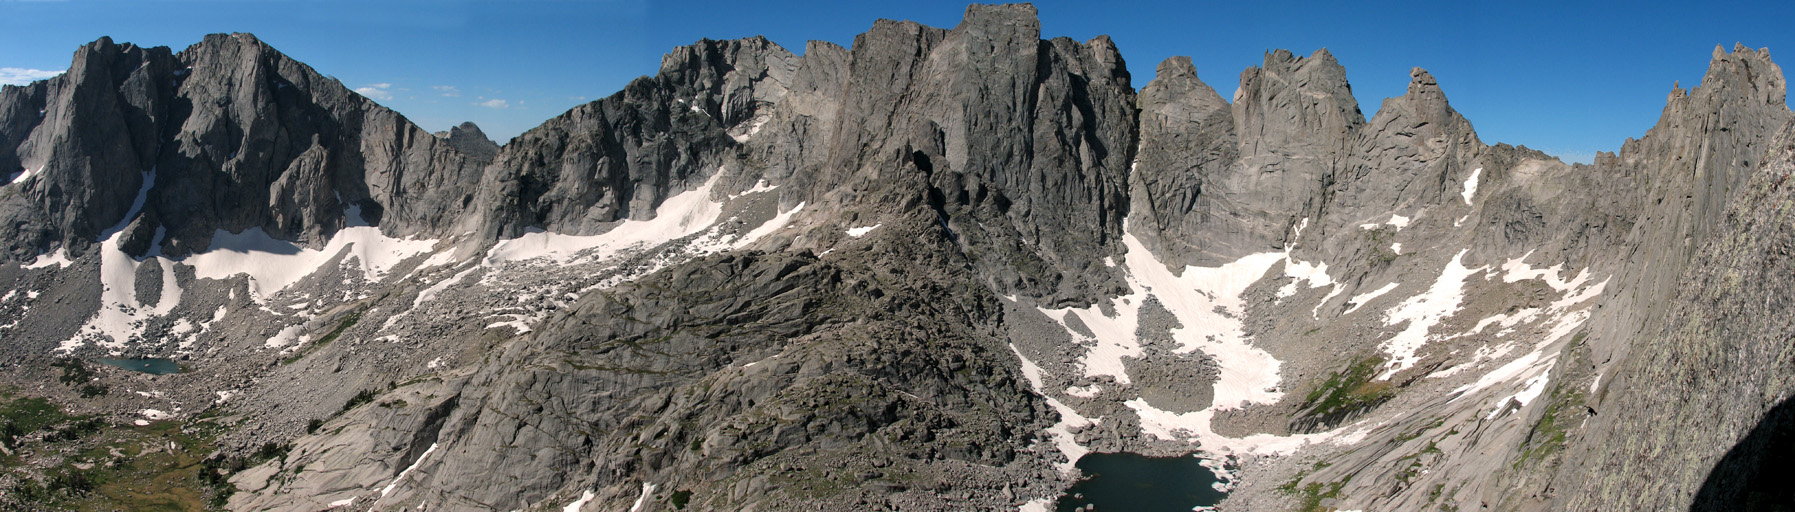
point(1348, 391)
point(105, 467)
point(1548, 436)
point(26, 416)
point(1309, 497)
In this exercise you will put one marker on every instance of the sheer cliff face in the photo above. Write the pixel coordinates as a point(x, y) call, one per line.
point(1704, 326)
point(924, 272)
point(1721, 347)
point(1022, 145)
point(235, 135)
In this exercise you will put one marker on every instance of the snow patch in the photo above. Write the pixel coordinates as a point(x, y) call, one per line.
point(1534, 387)
point(516, 325)
point(1084, 392)
point(1517, 269)
point(862, 231)
point(752, 129)
point(1207, 303)
point(60, 258)
point(1396, 221)
point(273, 265)
point(586, 497)
point(1195, 428)
point(1247, 373)
point(1471, 185)
point(1060, 432)
point(1422, 312)
point(759, 186)
point(647, 490)
point(23, 175)
point(1360, 300)
point(683, 214)
point(284, 337)
point(1315, 312)
point(121, 316)
point(407, 471)
point(775, 224)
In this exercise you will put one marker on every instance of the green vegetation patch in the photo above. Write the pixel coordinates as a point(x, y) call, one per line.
point(76, 373)
point(1563, 413)
point(100, 466)
point(26, 416)
point(1349, 391)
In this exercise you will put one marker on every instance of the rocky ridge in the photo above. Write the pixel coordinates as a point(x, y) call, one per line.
point(924, 272)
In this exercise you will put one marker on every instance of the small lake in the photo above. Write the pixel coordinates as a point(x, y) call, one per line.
point(150, 365)
point(1134, 482)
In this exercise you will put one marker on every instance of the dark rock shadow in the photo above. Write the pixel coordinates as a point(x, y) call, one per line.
point(1758, 474)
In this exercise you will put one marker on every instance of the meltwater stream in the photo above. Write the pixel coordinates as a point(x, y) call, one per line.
point(1134, 482)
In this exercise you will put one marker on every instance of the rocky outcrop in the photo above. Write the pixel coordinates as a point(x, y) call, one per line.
point(766, 381)
point(1222, 180)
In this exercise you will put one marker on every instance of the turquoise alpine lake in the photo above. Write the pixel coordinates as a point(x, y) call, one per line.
point(1134, 482)
point(149, 365)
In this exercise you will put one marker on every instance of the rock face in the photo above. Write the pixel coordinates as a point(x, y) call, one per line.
point(1723, 343)
point(235, 135)
point(1705, 327)
point(75, 146)
point(618, 157)
point(1024, 143)
point(926, 272)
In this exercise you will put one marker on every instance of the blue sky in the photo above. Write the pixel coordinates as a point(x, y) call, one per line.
point(1569, 78)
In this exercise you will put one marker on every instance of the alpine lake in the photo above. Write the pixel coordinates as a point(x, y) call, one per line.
point(1134, 482)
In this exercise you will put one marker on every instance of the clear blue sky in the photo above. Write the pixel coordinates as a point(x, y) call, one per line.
point(1566, 77)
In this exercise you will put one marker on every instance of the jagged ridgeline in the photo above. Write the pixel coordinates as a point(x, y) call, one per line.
point(926, 272)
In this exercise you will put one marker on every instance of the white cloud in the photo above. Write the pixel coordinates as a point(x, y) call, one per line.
point(22, 76)
point(493, 103)
point(376, 91)
point(577, 98)
point(448, 91)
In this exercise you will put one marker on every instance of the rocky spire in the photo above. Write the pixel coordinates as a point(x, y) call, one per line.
point(1295, 102)
point(469, 140)
point(1181, 187)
